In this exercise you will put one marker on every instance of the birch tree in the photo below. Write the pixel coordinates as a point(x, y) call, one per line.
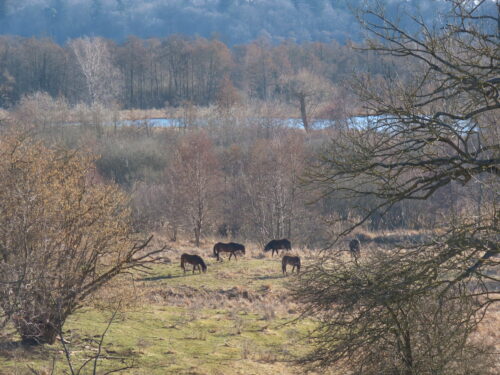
point(102, 79)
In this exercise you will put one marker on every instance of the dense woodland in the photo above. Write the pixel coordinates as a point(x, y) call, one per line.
point(235, 21)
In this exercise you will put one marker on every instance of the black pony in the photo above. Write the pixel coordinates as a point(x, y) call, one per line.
point(195, 260)
point(276, 245)
point(355, 248)
point(292, 261)
point(230, 247)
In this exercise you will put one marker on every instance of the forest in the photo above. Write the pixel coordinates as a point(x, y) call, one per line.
point(145, 179)
point(234, 21)
point(179, 70)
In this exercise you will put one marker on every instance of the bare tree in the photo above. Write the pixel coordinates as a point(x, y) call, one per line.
point(271, 186)
point(377, 317)
point(309, 90)
point(63, 235)
point(160, 205)
point(102, 78)
point(436, 128)
point(40, 109)
point(193, 173)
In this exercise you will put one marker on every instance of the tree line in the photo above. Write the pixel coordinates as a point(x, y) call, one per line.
point(236, 21)
point(173, 71)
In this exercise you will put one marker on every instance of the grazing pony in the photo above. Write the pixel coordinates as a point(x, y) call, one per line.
point(230, 247)
point(275, 245)
point(195, 260)
point(355, 248)
point(292, 261)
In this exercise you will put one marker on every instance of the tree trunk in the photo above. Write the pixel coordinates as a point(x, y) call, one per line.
point(303, 112)
point(407, 354)
point(37, 331)
point(197, 237)
point(173, 233)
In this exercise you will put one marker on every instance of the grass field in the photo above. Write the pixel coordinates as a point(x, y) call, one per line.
point(235, 319)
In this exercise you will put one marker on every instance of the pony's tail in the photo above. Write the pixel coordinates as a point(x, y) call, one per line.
point(283, 264)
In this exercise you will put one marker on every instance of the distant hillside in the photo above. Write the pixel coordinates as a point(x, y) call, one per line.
point(233, 21)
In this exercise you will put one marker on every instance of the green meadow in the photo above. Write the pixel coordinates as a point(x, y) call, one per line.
point(235, 319)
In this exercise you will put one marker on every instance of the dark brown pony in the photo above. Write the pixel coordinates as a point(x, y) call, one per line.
point(275, 245)
point(230, 247)
point(292, 261)
point(195, 260)
point(355, 248)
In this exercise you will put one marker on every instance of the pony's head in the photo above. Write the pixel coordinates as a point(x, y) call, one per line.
point(268, 247)
point(203, 266)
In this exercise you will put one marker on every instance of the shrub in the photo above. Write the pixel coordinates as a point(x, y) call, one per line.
point(63, 235)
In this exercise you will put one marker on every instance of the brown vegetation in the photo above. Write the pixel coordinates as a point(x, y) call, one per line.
point(179, 71)
point(63, 235)
point(424, 168)
point(416, 309)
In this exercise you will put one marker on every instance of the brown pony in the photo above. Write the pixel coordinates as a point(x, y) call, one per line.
point(275, 245)
point(292, 261)
point(195, 260)
point(230, 247)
